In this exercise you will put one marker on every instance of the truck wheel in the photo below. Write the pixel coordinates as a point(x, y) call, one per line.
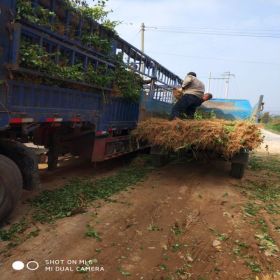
point(25, 159)
point(237, 170)
point(10, 186)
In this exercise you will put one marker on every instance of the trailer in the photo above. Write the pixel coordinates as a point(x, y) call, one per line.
point(219, 108)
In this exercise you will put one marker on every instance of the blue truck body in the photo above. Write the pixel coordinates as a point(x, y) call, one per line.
point(41, 102)
point(38, 102)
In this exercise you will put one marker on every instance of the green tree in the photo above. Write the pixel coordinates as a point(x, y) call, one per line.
point(265, 117)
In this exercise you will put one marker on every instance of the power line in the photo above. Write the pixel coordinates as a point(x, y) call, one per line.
point(217, 58)
point(225, 76)
point(215, 33)
point(207, 28)
point(220, 31)
point(228, 29)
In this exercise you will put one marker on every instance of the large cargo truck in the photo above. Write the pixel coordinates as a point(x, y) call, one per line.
point(57, 90)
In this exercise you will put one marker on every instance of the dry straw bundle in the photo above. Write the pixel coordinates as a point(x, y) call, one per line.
point(223, 137)
point(268, 277)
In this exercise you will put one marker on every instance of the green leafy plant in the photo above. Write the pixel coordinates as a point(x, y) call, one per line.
point(153, 227)
point(255, 267)
point(36, 15)
point(35, 57)
point(63, 202)
point(32, 56)
point(44, 17)
point(129, 83)
point(200, 114)
point(95, 41)
point(99, 13)
point(12, 232)
point(176, 247)
point(270, 163)
point(92, 233)
point(177, 229)
point(251, 209)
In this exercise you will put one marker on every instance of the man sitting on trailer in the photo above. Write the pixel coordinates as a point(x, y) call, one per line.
point(193, 96)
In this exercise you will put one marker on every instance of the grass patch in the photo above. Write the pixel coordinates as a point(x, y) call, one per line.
point(76, 195)
point(220, 236)
point(272, 208)
point(265, 191)
point(163, 267)
point(91, 232)
point(12, 232)
point(274, 127)
point(153, 227)
point(241, 248)
point(263, 225)
point(255, 267)
point(16, 234)
point(266, 163)
point(176, 229)
point(181, 272)
point(124, 272)
point(267, 244)
point(223, 237)
point(176, 247)
point(251, 209)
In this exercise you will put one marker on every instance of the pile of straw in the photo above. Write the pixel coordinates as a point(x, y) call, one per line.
point(223, 137)
point(268, 277)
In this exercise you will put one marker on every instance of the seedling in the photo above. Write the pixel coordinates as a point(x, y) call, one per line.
point(92, 233)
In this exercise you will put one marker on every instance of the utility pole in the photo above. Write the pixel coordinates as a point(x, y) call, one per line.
point(227, 76)
point(142, 36)
point(209, 81)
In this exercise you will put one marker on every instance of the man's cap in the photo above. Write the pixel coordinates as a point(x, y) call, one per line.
point(192, 74)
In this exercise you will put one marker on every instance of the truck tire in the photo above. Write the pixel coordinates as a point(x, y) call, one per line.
point(237, 170)
point(11, 184)
point(25, 159)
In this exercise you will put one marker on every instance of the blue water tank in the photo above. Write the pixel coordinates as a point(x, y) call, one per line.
point(230, 109)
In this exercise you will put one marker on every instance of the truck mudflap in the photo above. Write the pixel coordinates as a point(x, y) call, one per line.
point(239, 163)
point(4, 119)
point(4, 114)
point(242, 157)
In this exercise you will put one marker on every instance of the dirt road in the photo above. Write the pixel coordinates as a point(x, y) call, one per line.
point(184, 221)
point(271, 142)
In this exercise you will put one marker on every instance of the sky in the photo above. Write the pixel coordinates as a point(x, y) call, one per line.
point(176, 37)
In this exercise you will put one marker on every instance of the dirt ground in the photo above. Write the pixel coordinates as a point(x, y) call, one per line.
point(186, 220)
